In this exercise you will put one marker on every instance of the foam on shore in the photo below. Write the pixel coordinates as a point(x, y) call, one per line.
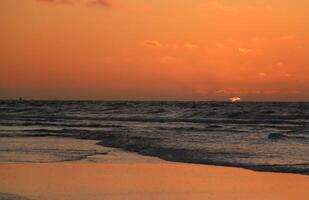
point(124, 175)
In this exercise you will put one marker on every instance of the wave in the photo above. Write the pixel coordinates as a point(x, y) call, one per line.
point(161, 120)
point(154, 146)
point(259, 136)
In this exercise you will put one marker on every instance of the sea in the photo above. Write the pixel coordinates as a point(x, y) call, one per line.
point(261, 136)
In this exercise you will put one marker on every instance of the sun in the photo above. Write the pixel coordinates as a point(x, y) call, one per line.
point(234, 99)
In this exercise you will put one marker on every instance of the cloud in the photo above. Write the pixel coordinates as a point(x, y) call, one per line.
point(219, 45)
point(262, 74)
point(247, 50)
point(103, 3)
point(279, 64)
point(171, 46)
point(152, 43)
point(244, 50)
point(56, 1)
point(271, 91)
point(171, 60)
point(226, 92)
point(288, 75)
point(287, 37)
point(202, 92)
point(277, 76)
point(216, 5)
point(190, 46)
point(167, 59)
point(225, 8)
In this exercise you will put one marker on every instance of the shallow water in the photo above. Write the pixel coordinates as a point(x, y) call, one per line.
point(219, 133)
point(48, 149)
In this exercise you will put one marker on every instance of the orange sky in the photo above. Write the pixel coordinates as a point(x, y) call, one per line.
point(154, 49)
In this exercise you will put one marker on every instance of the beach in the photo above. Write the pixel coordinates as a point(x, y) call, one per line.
point(124, 175)
point(154, 100)
point(63, 150)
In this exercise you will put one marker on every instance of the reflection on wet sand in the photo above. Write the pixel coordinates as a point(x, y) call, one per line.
point(5, 196)
point(147, 180)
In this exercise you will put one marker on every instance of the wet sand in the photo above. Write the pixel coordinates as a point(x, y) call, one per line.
point(123, 175)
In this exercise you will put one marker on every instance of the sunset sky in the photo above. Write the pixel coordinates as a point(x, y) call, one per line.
point(154, 49)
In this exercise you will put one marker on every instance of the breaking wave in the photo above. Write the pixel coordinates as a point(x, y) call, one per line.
point(259, 136)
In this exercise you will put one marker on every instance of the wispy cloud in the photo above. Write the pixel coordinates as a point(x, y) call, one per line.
point(287, 37)
point(56, 1)
point(222, 7)
point(247, 50)
point(244, 50)
point(152, 43)
point(171, 60)
point(244, 92)
point(190, 46)
point(232, 8)
point(277, 76)
point(103, 3)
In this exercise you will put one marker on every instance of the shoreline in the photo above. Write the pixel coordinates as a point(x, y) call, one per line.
point(140, 147)
point(94, 181)
point(126, 175)
point(110, 142)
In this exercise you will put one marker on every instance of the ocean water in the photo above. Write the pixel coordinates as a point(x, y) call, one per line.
point(258, 136)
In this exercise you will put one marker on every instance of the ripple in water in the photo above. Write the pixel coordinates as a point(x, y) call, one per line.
point(259, 136)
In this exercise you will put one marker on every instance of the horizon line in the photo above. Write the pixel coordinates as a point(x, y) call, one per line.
point(149, 100)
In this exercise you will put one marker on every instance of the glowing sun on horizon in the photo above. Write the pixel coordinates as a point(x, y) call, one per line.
point(234, 99)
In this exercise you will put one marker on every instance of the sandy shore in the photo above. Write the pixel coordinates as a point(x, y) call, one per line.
point(123, 175)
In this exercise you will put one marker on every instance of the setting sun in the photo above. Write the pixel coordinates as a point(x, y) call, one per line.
point(154, 50)
point(154, 99)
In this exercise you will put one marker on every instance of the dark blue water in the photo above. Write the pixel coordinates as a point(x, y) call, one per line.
point(258, 136)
